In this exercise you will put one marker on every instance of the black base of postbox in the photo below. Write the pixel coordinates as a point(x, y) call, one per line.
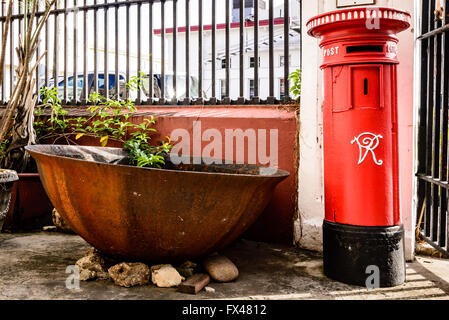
point(352, 254)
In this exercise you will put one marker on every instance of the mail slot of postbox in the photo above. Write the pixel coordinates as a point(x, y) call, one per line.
point(364, 49)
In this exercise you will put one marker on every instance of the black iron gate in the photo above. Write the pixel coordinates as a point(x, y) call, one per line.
point(433, 185)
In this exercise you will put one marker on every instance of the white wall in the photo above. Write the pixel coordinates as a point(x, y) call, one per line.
point(308, 226)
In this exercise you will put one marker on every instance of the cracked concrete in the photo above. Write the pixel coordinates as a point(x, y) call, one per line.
point(33, 265)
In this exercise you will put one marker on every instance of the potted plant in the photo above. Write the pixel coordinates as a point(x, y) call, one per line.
point(16, 124)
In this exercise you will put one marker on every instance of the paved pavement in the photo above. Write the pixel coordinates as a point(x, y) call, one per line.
point(33, 266)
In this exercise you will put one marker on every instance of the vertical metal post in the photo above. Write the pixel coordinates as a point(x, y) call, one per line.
point(116, 49)
point(256, 50)
point(65, 99)
point(436, 131)
point(85, 92)
point(430, 112)
point(200, 50)
point(95, 49)
point(174, 51)
point(271, 97)
point(187, 99)
point(20, 20)
point(127, 49)
point(75, 74)
point(3, 66)
point(139, 54)
point(214, 62)
point(286, 51)
point(444, 94)
point(150, 45)
point(163, 51)
point(227, 58)
point(445, 86)
point(47, 62)
point(38, 51)
point(106, 66)
point(55, 48)
point(241, 53)
point(11, 55)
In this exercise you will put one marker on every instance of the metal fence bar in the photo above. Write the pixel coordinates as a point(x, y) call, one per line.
point(11, 55)
point(38, 69)
point(4, 69)
point(105, 57)
point(116, 49)
point(95, 78)
point(256, 49)
point(432, 180)
point(445, 155)
point(75, 45)
point(162, 98)
point(422, 115)
point(200, 50)
point(65, 98)
point(19, 8)
point(227, 58)
point(127, 49)
point(175, 32)
point(187, 99)
point(241, 53)
point(139, 54)
point(436, 132)
point(214, 61)
point(85, 90)
point(150, 45)
point(47, 49)
point(286, 50)
point(430, 75)
point(444, 136)
point(271, 49)
point(55, 48)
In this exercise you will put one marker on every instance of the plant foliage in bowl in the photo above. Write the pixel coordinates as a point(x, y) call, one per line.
point(108, 120)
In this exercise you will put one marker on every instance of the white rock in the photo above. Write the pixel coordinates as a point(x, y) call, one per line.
point(165, 276)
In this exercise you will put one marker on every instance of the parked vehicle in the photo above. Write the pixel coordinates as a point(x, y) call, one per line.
point(133, 94)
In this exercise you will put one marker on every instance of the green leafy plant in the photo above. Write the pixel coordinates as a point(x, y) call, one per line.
point(295, 89)
point(108, 120)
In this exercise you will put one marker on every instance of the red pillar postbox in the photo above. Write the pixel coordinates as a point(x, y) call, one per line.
point(362, 225)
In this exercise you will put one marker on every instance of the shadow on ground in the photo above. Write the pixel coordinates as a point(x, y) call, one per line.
point(33, 266)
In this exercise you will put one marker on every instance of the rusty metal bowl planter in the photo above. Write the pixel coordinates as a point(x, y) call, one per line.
point(7, 179)
point(157, 215)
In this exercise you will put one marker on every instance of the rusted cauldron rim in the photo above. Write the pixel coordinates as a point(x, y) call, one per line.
point(36, 149)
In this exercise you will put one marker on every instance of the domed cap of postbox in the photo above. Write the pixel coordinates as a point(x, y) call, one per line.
point(353, 21)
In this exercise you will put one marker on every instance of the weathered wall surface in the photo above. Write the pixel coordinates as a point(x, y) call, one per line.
point(311, 192)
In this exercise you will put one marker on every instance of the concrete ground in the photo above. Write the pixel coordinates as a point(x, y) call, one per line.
point(33, 266)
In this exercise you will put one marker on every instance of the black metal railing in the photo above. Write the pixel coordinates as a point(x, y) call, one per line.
point(98, 46)
point(433, 185)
